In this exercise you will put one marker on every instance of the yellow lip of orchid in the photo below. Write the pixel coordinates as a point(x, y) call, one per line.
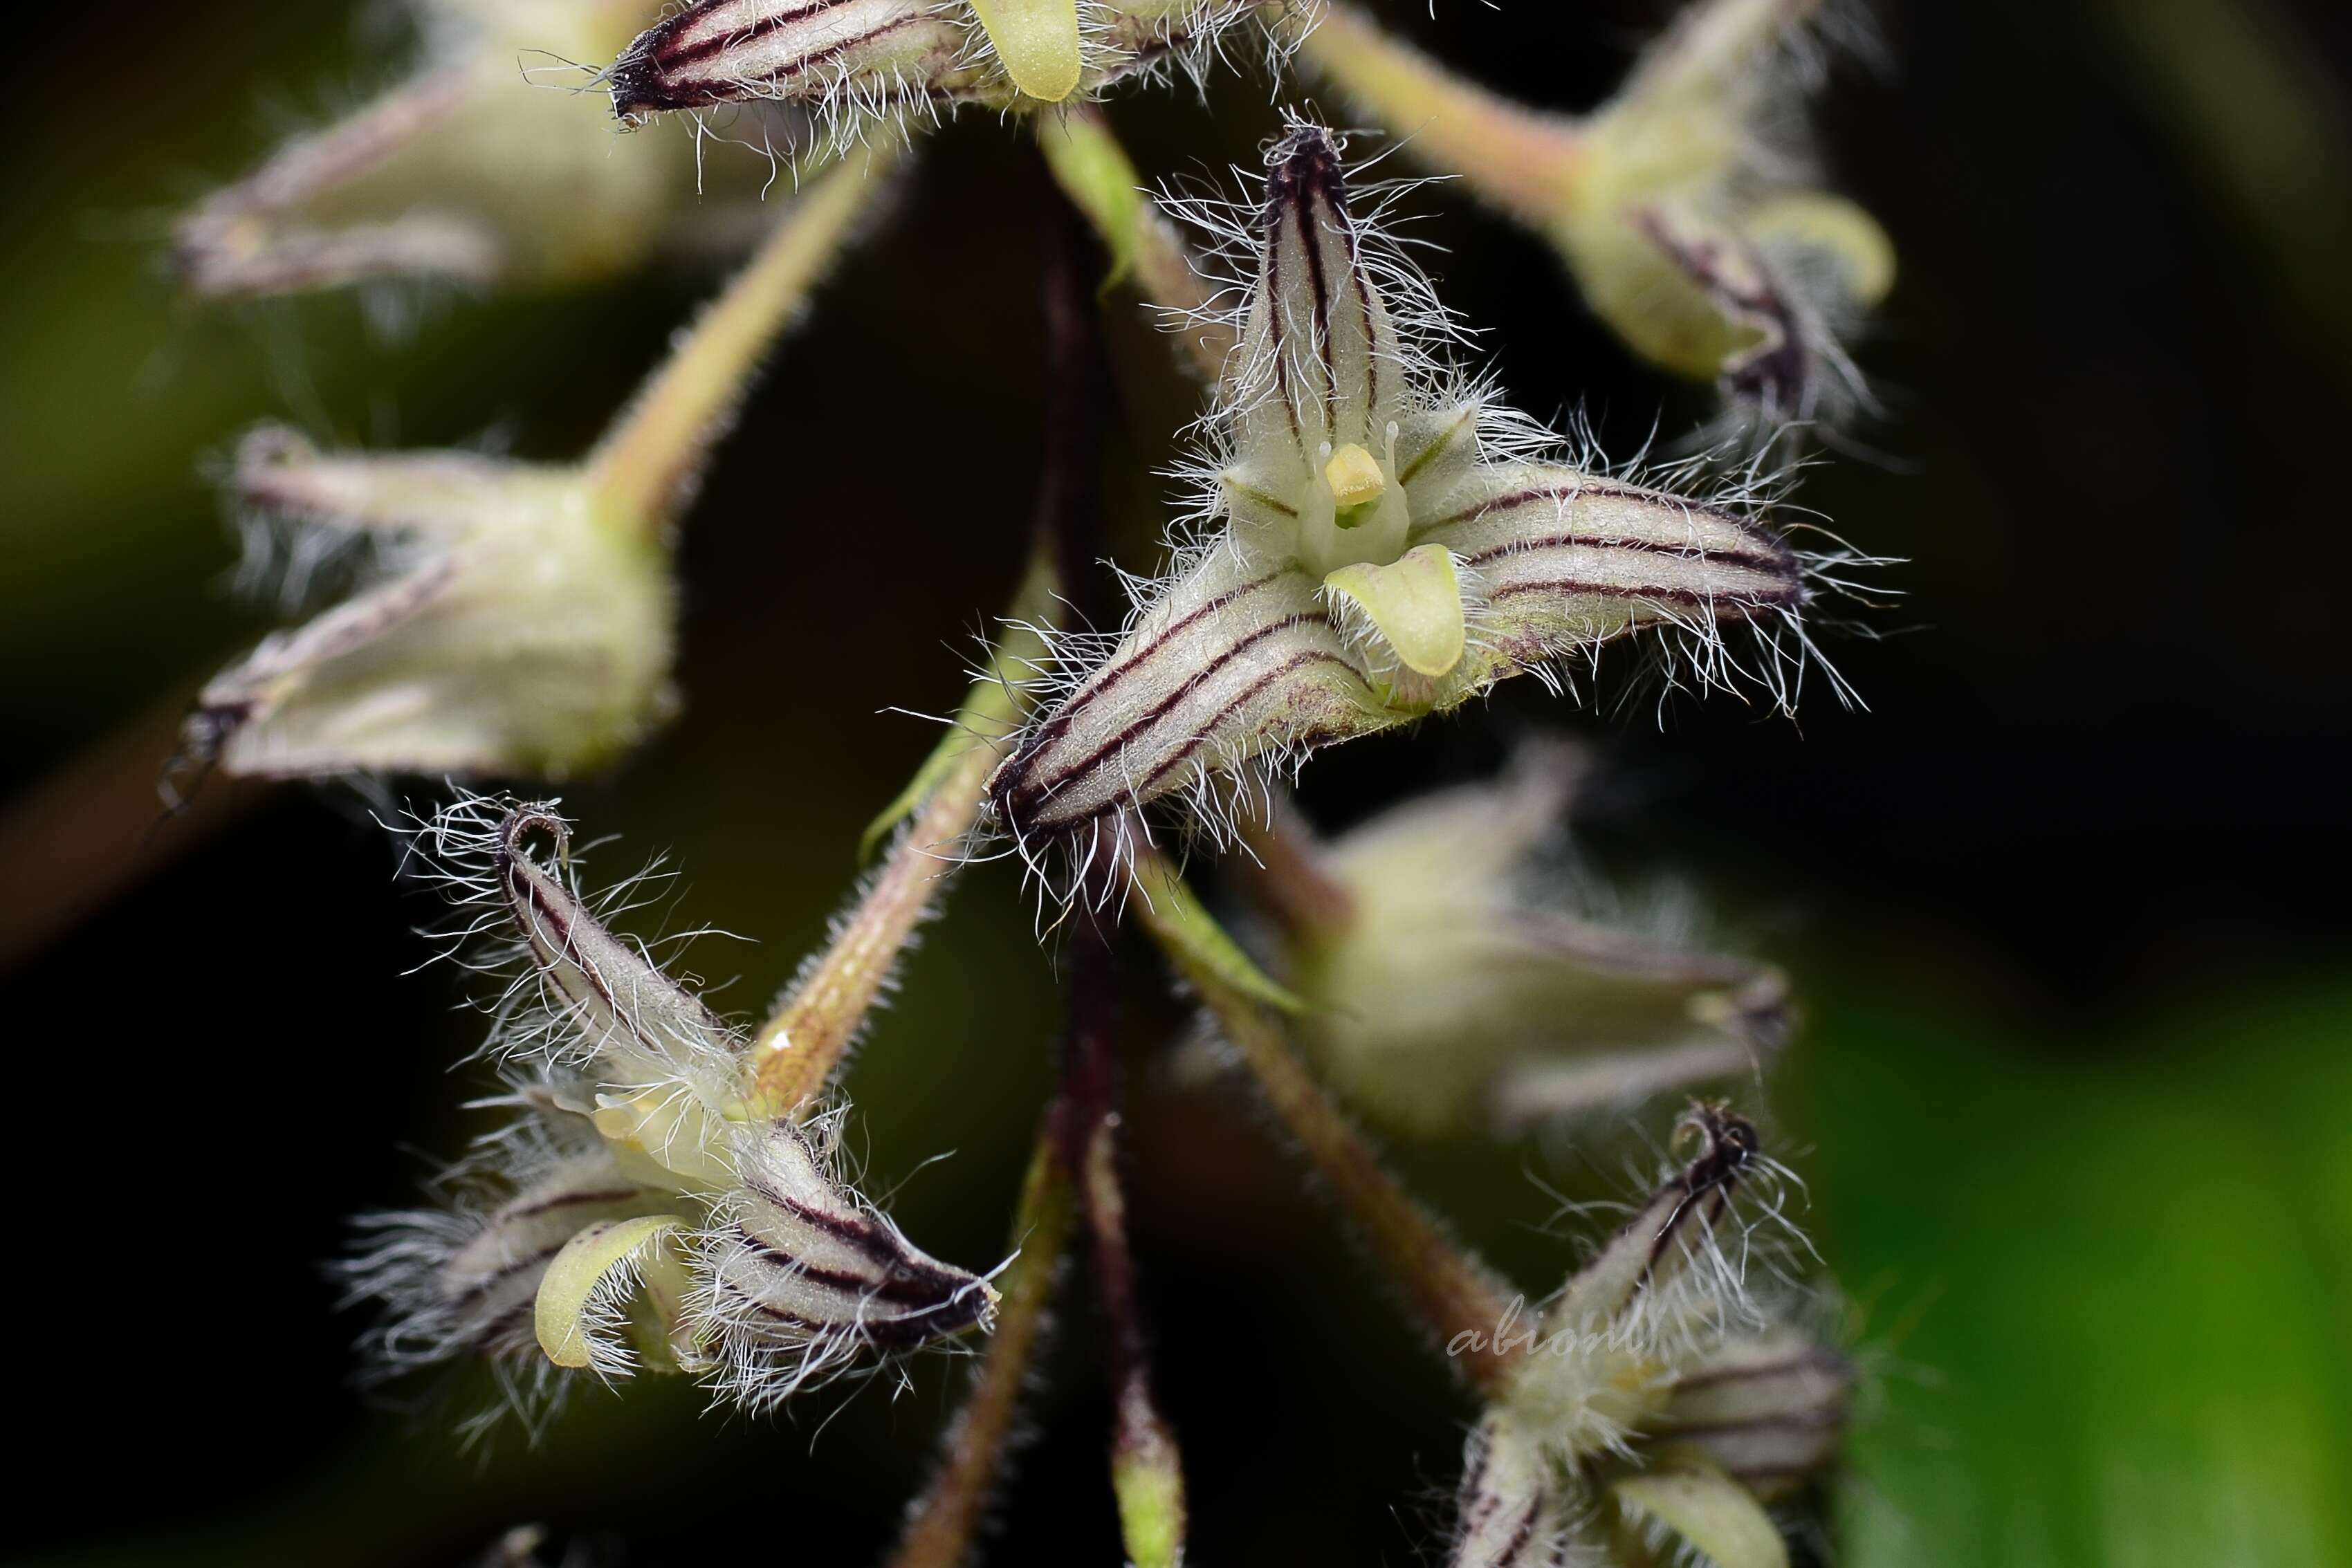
point(1416, 603)
point(608, 1258)
point(1038, 42)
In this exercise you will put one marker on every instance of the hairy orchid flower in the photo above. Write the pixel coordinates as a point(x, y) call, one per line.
point(647, 1208)
point(513, 619)
point(1687, 207)
point(1659, 1405)
point(481, 168)
point(1441, 993)
point(1385, 543)
point(851, 61)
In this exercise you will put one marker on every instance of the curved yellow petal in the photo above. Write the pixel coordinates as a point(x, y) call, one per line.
point(1038, 42)
point(1415, 603)
point(577, 1288)
point(1175, 912)
point(1708, 1509)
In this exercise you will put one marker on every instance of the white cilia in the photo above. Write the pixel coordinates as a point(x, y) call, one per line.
point(1391, 543)
point(649, 1207)
point(849, 61)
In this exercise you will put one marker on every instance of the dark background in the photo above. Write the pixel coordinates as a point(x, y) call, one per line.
point(2064, 905)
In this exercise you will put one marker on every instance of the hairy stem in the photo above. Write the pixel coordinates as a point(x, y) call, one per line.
point(1450, 1290)
point(799, 1050)
point(1146, 1465)
point(644, 469)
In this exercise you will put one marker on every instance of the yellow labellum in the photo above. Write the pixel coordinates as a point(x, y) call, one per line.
point(1038, 42)
point(1710, 1511)
point(1416, 603)
point(559, 1314)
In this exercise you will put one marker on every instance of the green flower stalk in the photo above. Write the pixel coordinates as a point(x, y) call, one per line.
point(644, 1208)
point(1685, 207)
point(1376, 541)
point(1446, 988)
point(801, 1049)
point(483, 168)
point(854, 62)
point(1146, 252)
point(512, 618)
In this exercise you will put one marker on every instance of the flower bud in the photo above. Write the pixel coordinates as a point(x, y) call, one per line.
point(483, 168)
point(507, 624)
point(511, 618)
point(1684, 206)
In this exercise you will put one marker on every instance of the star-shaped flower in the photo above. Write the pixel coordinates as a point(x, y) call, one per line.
point(1384, 544)
point(646, 1207)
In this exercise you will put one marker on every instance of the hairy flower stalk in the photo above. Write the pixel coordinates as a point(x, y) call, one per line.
point(482, 168)
point(1095, 172)
point(853, 62)
point(642, 1211)
point(513, 619)
point(802, 1046)
point(1385, 545)
point(1685, 207)
point(1658, 1406)
point(1451, 1291)
point(1441, 992)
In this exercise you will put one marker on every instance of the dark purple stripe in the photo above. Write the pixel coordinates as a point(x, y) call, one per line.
point(1789, 595)
point(1160, 709)
point(1052, 728)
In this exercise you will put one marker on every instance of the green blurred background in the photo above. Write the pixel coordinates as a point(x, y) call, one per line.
point(2069, 1095)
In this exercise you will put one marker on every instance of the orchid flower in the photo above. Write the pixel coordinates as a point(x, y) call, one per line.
point(1383, 543)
